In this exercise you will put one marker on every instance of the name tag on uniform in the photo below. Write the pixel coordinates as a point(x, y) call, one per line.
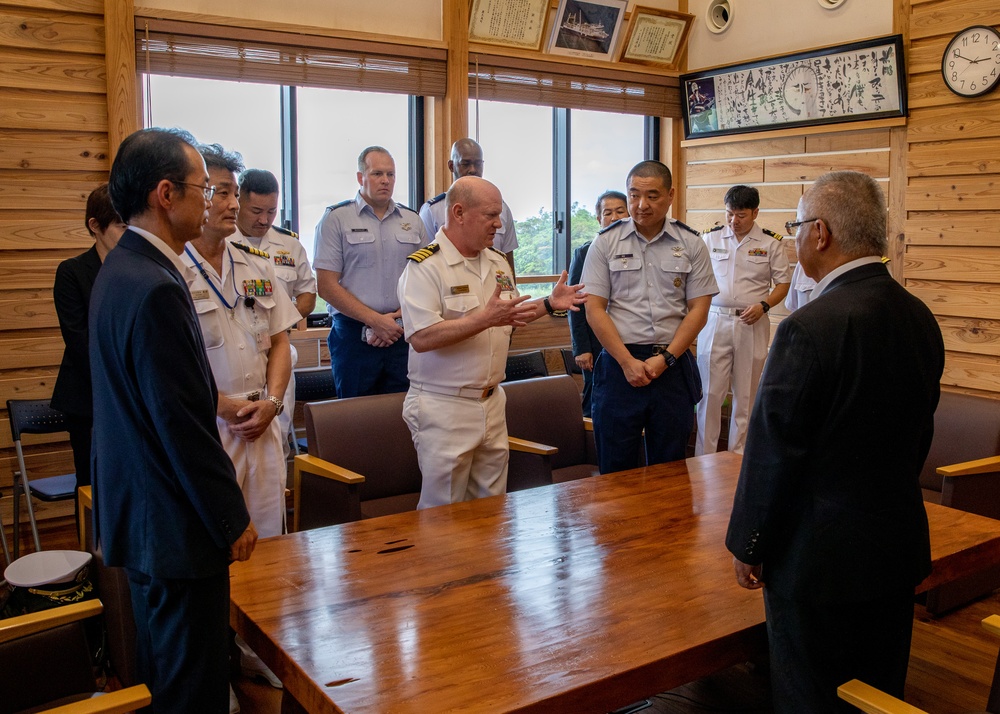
point(199, 294)
point(720, 250)
point(459, 289)
point(359, 230)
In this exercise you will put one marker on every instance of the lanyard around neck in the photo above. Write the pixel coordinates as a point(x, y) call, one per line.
point(248, 301)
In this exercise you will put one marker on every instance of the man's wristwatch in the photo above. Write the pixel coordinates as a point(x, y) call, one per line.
point(279, 406)
point(763, 304)
point(548, 306)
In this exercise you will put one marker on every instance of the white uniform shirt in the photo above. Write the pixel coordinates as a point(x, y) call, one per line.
point(648, 283)
point(291, 264)
point(237, 340)
point(369, 253)
point(801, 290)
point(434, 212)
point(447, 286)
point(745, 270)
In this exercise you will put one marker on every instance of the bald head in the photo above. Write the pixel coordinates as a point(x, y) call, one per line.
point(466, 158)
point(473, 206)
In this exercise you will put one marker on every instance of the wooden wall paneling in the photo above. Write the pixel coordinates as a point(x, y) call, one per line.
point(456, 101)
point(28, 273)
point(965, 193)
point(43, 110)
point(960, 299)
point(41, 29)
point(896, 203)
point(33, 69)
point(43, 349)
point(979, 228)
point(810, 167)
point(46, 191)
point(848, 141)
point(26, 384)
point(124, 113)
point(972, 371)
point(975, 119)
point(954, 158)
point(774, 196)
point(925, 55)
point(6, 442)
point(981, 265)
point(928, 90)
point(975, 336)
point(725, 172)
point(37, 229)
point(54, 151)
point(947, 18)
point(91, 7)
point(27, 309)
point(747, 149)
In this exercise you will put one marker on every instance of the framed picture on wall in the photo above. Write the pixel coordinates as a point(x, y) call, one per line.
point(509, 24)
point(655, 37)
point(852, 82)
point(587, 28)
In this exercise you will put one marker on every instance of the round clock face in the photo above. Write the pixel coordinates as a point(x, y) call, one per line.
point(799, 91)
point(971, 63)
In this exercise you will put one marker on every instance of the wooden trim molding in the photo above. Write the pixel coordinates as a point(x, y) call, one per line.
point(123, 104)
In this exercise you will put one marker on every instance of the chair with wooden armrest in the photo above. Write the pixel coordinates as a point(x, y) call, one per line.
point(966, 427)
point(874, 701)
point(111, 584)
point(361, 462)
point(45, 661)
point(547, 410)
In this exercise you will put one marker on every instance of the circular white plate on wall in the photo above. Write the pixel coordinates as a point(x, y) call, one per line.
point(719, 16)
point(830, 4)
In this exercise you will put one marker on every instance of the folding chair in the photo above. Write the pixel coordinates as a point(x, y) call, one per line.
point(526, 366)
point(35, 416)
point(313, 384)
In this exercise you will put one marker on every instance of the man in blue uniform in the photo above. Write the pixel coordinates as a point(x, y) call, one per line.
point(361, 249)
point(650, 283)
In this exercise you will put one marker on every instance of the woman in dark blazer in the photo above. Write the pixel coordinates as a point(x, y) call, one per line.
point(74, 280)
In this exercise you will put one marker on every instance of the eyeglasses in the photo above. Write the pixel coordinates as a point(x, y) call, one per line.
point(209, 191)
point(792, 226)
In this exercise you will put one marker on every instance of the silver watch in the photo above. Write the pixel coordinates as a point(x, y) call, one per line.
point(279, 406)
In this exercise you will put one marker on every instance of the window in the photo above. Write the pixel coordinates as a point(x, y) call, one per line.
point(334, 126)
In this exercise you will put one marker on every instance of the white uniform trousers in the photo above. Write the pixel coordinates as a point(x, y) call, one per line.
point(461, 445)
point(261, 474)
point(730, 354)
point(285, 418)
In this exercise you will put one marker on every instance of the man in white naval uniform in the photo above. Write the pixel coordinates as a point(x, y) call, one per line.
point(746, 260)
point(459, 304)
point(467, 160)
point(244, 318)
point(255, 227)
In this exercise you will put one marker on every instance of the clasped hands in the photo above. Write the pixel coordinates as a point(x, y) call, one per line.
point(248, 420)
point(385, 330)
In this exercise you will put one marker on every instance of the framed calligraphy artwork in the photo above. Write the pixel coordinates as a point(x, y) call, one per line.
point(853, 82)
point(509, 23)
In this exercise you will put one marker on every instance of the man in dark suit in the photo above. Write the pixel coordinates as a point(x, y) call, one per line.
point(828, 516)
point(166, 504)
point(612, 206)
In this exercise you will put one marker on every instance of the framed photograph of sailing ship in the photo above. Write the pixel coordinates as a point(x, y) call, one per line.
point(509, 24)
point(587, 28)
point(655, 37)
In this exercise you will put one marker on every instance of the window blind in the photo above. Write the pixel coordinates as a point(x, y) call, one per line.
point(218, 52)
point(528, 81)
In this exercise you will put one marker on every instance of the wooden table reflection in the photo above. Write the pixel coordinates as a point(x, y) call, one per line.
point(578, 597)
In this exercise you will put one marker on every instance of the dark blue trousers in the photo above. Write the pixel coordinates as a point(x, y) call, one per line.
point(360, 369)
point(664, 408)
point(182, 642)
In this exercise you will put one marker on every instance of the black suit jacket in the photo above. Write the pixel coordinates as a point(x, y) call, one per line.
point(829, 500)
point(166, 502)
point(584, 339)
point(74, 281)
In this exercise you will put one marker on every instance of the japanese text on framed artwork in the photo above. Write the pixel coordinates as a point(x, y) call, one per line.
point(862, 80)
point(508, 23)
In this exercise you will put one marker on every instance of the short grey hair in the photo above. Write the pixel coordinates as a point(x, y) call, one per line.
point(370, 150)
point(853, 207)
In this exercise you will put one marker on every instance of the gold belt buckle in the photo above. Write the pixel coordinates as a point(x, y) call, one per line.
point(488, 392)
point(253, 396)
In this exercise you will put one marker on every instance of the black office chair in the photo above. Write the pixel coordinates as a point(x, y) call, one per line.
point(312, 384)
point(525, 366)
point(35, 416)
point(569, 362)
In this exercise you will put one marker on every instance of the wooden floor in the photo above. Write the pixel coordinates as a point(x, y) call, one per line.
point(951, 664)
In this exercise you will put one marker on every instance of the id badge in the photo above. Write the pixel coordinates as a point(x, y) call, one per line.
point(263, 340)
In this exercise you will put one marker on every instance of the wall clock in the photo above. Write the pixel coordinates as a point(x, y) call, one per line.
point(970, 65)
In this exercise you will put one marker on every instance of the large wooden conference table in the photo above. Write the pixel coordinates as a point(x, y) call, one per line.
point(578, 597)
